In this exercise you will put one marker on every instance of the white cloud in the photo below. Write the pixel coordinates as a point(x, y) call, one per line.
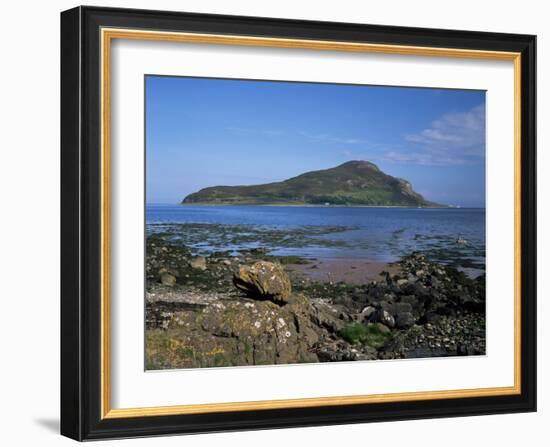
point(456, 133)
point(454, 138)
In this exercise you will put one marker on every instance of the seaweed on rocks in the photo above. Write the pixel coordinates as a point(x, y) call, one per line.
point(201, 319)
point(207, 237)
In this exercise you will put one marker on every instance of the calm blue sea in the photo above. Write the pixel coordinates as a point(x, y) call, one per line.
point(383, 234)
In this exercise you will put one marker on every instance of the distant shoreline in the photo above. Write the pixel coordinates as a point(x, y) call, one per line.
point(311, 205)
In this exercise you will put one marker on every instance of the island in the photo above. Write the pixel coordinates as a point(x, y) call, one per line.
point(354, 183)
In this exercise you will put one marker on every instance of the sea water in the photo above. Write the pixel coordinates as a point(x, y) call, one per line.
point(455, 236)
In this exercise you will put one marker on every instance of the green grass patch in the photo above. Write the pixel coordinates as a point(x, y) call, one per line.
point(365, 334)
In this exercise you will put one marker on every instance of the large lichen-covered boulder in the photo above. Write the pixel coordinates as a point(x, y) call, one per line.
point(264, 280)
point(233, 333)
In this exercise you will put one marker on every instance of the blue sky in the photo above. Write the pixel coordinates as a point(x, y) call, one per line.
point(205, 132)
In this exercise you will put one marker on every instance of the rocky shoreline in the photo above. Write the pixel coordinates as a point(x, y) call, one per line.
point(257, 309)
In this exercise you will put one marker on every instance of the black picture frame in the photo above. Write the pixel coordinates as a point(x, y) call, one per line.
point(81, 223)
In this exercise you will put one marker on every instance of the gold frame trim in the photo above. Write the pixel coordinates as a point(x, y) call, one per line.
point(107, 35)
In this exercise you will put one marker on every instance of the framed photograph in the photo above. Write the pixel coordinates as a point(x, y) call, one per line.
point(277, 223)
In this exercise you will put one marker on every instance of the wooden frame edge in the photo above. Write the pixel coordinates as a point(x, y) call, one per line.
point(106, 36)
point(306, 402)
point(105, 43)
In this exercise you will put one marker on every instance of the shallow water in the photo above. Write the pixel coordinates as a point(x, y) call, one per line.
point(382, 234)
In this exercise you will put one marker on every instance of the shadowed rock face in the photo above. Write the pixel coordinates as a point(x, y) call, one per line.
point(264, 280)
point(352, 183)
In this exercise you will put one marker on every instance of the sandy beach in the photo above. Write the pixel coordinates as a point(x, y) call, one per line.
point(349, 270)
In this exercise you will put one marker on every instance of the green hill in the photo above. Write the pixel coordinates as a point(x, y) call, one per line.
point(351, 183)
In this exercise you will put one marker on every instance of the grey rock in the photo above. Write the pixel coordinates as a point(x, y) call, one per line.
point(264, 280)
point(198, 262)
point(387, 306)
point(327, 318)
point(387, 319)
point(404, 320)
point(402, 307)
point(168, 279)
point(367, 312)
point(432, 318)
point(412, 300)
point(383, 328)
